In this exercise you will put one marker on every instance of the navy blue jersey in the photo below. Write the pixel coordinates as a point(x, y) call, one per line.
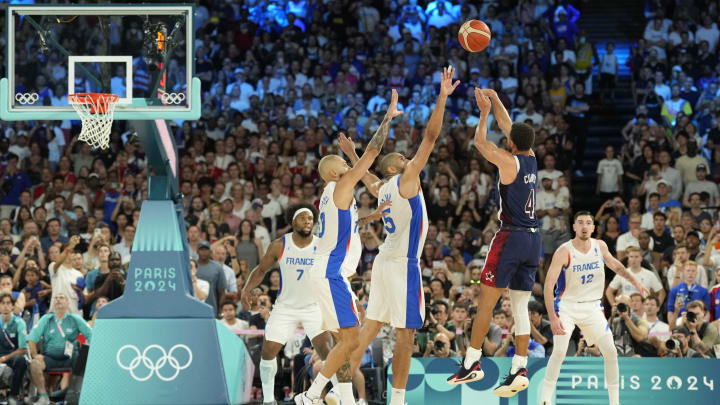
point(517, 199)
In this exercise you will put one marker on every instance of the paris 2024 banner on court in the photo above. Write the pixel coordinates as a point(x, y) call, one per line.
point(643, 381)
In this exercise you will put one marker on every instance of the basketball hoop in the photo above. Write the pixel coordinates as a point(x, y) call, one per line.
point(96, 112)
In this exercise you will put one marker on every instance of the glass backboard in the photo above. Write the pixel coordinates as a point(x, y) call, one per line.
point(142, 53)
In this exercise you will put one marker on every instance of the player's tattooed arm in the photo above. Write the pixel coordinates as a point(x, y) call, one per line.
point(378, 140)
point(344, 374)
point(375, 215)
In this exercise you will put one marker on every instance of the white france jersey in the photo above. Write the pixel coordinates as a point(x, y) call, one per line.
point(339, 240)
point(295, 283)
point(406, 222)
point(583, 279)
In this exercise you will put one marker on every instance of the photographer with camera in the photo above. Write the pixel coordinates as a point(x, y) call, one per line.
point(702, 336)
point(439, 347)
point(685, 292)
point(628, 330)
point(436, 321)
point(677, 345)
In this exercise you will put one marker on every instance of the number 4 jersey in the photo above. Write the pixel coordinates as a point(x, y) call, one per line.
point(295, 283)
point(517, 199)
point(583, 278)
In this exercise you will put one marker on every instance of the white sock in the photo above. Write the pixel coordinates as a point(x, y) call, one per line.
point(471, 356)
point(346, 393)
point(268, 368)
point(317, 386)
point(548, 389)
point(614, 393)
point(518, 362)
point(334, 380)
point(397, 397)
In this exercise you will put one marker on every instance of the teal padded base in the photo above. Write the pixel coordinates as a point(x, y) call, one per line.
point(40, 113)
point(163, 361)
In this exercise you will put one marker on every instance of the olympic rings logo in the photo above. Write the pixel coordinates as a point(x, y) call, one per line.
point(26, 98)
point(172, 98)
point(157, 365)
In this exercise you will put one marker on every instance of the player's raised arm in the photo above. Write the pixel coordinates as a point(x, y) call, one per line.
point(348, 181)
point(258, 273)
point(501, 158)
point(501, 115)
point(560, 258)
point(432, 130)
point(615, 265)
point(371, 181)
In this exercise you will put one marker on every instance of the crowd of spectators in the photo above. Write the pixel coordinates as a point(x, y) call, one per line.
point(281, 79)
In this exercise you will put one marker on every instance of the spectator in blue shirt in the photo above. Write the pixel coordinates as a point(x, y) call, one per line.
point(666, 201)
point(12, 182)
point(685, 292)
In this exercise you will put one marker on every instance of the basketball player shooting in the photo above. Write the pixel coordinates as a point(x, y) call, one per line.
point(396, 287)
point(338, 234)
point(515, 249)
point(578, 268)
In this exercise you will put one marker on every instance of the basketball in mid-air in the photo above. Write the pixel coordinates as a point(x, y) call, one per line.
point(474, 35)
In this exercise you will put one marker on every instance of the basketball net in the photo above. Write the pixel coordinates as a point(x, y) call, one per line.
point(96, 113)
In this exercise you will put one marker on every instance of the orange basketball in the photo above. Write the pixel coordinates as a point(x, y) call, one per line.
point(474, 36)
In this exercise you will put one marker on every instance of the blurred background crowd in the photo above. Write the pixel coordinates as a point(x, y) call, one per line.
point(281, 79)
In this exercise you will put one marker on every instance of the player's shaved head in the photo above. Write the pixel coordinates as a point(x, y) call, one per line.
point(392, 160)
point(331, 167)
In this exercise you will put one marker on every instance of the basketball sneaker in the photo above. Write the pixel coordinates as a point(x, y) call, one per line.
point(302, 399)
point(332, 398)
point(466, 375)
point(514, 383)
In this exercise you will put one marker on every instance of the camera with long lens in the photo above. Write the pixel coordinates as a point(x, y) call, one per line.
point(439, 345)
point(672, 344)
point(691, 316)
point(434, 311)
point(622, 307)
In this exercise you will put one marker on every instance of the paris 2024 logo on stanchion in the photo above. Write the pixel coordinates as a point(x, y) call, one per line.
point(154, 360)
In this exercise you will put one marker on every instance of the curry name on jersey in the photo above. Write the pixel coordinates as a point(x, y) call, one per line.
point(517, 199)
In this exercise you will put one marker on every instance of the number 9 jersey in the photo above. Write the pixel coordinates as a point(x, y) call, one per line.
point(517, 199)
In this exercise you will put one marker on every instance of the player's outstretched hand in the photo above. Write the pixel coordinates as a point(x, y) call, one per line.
point(490, 93)
point(644, 291)
point(556, 326)
point(384, 205)
point(392, 111)
point(483, 102)
point(347, 146)
point(446, 81)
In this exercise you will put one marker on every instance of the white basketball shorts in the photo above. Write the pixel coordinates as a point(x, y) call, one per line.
point(588, 316)
point(396, 292)
point(284, 321)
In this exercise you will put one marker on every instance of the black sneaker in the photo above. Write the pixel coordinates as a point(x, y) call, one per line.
point(465, 375)
point(514, 383)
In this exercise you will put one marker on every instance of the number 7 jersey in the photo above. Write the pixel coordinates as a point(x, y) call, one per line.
point(295, 282)
point(517, 199)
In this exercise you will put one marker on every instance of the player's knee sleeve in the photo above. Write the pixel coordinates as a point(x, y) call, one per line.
point(519, 304)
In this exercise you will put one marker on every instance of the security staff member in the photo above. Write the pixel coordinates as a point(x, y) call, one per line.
point(13, 345)
point(59, 332)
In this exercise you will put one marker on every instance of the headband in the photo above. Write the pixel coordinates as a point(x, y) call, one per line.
point(301, 210)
